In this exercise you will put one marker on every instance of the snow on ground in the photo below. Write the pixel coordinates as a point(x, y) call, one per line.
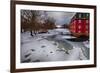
point(59, 30)
point(42, 48)
point(86, 44)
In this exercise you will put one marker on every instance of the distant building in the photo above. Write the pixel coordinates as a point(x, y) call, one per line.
point(79, 25)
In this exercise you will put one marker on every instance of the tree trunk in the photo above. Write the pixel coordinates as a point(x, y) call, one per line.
point(31, 33)
point(35, 32)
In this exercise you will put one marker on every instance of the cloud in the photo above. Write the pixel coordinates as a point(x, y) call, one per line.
point(61, 17)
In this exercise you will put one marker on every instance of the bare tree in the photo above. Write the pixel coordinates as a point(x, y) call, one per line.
point(25, 20)
point(34, 26)
point(29, 21)
point(50, 23)
point(34, 21)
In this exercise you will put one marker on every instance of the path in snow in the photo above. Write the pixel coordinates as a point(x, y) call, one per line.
point(43, 49)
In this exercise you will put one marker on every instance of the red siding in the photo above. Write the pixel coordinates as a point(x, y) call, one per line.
point(79, 27)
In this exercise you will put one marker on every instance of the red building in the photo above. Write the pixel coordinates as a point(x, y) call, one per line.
point(79, 25)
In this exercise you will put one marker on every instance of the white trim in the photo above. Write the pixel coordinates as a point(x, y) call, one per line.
point(60, 63)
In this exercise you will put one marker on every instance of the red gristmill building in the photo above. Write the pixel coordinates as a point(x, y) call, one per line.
point(79, 25)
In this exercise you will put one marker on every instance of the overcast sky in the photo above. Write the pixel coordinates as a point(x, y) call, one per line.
point(61, 17)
